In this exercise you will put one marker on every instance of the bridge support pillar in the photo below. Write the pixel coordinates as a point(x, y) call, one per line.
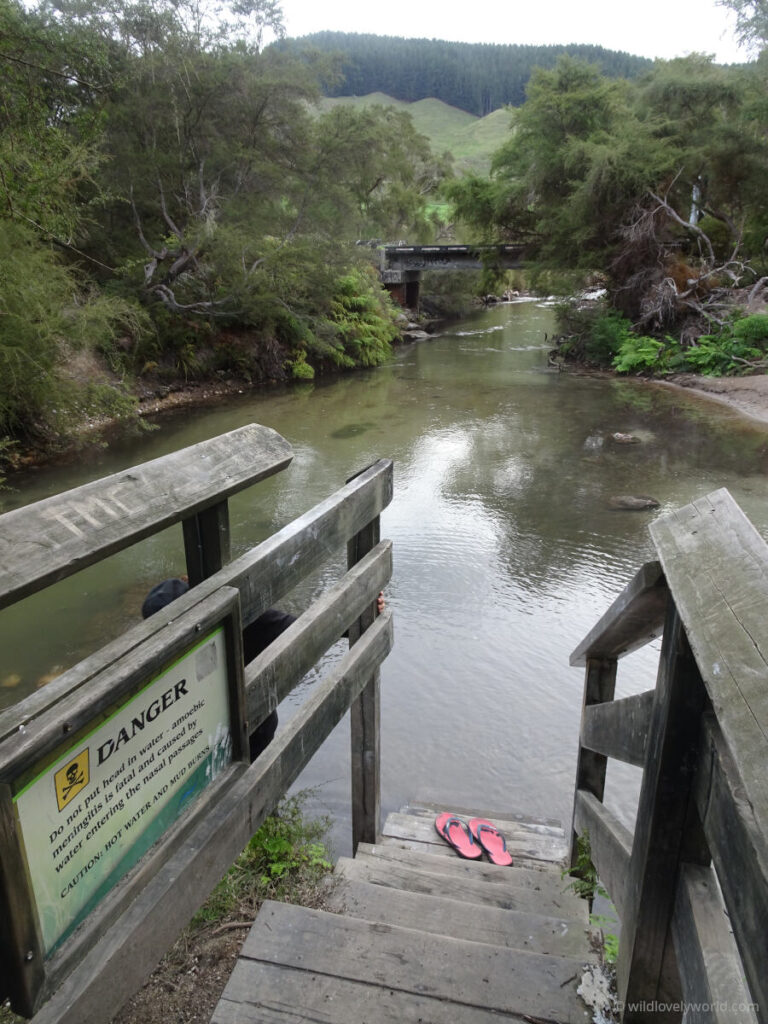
point(403, 286)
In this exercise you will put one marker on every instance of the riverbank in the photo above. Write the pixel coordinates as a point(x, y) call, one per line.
point(746, 395)
point(153, 396)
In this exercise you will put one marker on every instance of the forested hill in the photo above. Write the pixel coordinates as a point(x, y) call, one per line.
point(476, 77)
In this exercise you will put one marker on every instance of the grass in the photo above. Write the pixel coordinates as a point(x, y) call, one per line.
point(470, 140)
point(284, 860)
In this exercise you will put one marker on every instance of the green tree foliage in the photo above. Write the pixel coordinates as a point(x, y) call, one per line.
point(576, 155)
point(657, 184)
point(156, 161)
point(231, 203)
point(49, 160)
point(751, 21)
point(476, 77)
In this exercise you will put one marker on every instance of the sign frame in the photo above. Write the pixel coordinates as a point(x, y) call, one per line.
point(31, 973)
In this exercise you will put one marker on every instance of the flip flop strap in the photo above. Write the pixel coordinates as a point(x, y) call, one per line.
point(493, 831)
point(462, 825)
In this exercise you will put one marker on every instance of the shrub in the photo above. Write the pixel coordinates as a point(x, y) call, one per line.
point(285, 860)
point(363, 319)
point(591, 331)
point(638, 352)
point(607, 333)
point(752, 328)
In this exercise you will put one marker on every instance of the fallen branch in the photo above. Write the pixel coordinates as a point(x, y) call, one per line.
point(230, 925)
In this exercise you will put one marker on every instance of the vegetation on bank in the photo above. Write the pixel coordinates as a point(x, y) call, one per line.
point(599, 336)
point(652, 189)
point(171, 207)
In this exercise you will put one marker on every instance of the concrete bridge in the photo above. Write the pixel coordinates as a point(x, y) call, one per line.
point(401, 265)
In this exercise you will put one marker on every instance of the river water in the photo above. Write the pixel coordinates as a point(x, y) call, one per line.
point(505, 551)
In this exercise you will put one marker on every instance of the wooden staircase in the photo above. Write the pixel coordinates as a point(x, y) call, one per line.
point(419, 935)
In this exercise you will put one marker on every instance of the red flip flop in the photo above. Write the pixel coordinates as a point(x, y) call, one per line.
point(491, 840)
point(455, 831)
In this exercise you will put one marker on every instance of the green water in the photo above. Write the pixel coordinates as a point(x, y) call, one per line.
point(505, 550)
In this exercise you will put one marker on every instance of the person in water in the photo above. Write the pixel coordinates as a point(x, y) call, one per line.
point(256, 638)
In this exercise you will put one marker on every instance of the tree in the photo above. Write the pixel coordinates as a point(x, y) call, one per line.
point(49, 159)
point(576, 156)
point(658, 185)
point(751, 21)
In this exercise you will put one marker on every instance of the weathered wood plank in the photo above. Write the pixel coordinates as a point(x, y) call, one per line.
point(542, 878)
point(515, 821)
point(633, 620)
point(445, 852)
point(259, 993)
point(739, 850)
point(365, 715)
point(25, 747)
point(599, 688)
point(271, 676)
point(262, 575)
point(126, 954)
point(441, 915)
point(716, 564)
point(611, 844)
point(206, 542)
point(619, 728)
point(660, 828)
point(520, 844)
point(461, 973)
point(469, 890)
point(709, 963)
point(58, 536)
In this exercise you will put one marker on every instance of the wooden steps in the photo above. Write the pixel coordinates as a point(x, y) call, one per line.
point(415, 935)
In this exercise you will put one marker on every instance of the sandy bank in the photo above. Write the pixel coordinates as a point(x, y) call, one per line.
point(747, 395)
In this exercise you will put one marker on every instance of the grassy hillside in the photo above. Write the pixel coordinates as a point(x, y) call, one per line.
point(471, 140)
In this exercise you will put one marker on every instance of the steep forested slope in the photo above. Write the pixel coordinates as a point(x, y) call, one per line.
point(476, 77)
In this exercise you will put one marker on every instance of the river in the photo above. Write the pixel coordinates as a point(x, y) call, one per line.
point(505, 551)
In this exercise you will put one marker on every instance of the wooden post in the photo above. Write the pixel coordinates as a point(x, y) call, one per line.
point(660, 830)
point(206, 542)
point(365, 715)
point(599, 687)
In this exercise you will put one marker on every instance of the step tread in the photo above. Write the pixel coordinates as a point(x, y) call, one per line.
point(544, 877)
point(470, 975)
point(442, 915)
point(522, 845)
point(513, 820)
point(470, 890)
point(259, 993)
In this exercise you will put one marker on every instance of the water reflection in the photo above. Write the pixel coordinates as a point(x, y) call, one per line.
point(505, 550)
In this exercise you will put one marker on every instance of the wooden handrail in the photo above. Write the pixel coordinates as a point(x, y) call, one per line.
point(633, 620)
point(263, 575)
point(619, 728)
point(701, 738)
point(87, 977)
point(56, 537)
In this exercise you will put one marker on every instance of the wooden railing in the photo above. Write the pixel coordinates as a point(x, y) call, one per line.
point(107, 957)
point(691, 884)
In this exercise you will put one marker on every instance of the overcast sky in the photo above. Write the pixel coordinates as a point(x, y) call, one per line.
point(651, 28)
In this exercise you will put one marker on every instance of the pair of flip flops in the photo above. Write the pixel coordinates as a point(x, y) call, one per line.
point(471, 839)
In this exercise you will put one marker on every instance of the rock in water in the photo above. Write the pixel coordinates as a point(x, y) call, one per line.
point(632, 502)
point(625, 439)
